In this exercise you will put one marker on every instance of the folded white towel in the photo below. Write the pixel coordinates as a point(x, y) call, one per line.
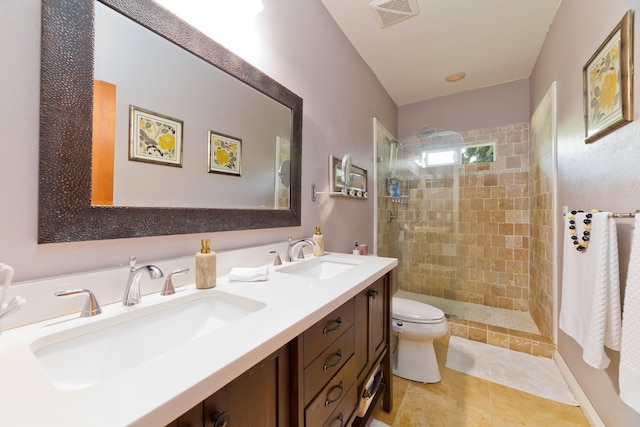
point(590, 310)
point(630, 351)
point(247, 274)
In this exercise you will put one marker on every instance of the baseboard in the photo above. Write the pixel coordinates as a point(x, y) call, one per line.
point(585, 405)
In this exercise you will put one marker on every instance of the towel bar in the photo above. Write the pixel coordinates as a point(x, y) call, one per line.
point(624, 215)
point(618, 215)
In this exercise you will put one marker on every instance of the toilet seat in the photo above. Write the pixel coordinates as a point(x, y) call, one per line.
point(416, 312)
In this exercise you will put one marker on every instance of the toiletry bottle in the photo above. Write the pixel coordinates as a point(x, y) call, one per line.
point(318, 239)
point(356, 249)
point(364, 249)
point(205, 267)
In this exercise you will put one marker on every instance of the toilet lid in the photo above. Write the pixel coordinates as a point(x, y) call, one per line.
point(415, 311)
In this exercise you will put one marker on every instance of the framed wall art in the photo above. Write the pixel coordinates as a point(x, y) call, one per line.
point(225, 154)
point(154, 138)
point(608, 82)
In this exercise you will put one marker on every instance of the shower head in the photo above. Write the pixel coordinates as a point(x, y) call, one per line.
point(426, 131)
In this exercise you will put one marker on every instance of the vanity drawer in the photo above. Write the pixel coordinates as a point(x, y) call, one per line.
point(323, 333)
point(340, 387)
point(343, 412)
point(328, 364)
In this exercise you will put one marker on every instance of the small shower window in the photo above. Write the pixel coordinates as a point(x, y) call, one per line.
point(481, 153)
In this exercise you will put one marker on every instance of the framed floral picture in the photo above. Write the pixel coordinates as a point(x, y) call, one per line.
point(225, 154)
point(154, 138)
point(608, 83)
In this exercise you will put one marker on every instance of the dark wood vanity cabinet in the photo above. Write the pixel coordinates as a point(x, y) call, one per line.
point(259, 397)
point(373, 332)
point(336, 357)
point(325, 364)
point(315, 380)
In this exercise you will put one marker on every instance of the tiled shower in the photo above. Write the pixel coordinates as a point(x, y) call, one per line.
point(469, 232)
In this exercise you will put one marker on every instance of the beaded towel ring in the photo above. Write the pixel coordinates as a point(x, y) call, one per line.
point(581, 244)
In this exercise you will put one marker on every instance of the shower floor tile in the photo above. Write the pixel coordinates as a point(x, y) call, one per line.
point(510, 319)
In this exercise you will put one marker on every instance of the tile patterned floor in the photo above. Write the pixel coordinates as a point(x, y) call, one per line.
point(461, 400)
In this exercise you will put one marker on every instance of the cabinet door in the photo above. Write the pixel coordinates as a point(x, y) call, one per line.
point(259, 397)
point(371, 325)
point(377, 318)
point(373, 329)
point(361, 355)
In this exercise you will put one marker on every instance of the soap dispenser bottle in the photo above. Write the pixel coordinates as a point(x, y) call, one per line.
point(356, 249)
point(318, 240)
point(205, 267)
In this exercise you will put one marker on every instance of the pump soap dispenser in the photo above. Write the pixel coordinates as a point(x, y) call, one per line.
point(205, 267)
point(318, 239)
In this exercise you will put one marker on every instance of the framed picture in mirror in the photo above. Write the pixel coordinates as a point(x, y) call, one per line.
point(225, 154)
point(154, 138)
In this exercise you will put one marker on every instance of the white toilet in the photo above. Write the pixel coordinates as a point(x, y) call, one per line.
point(416, 325)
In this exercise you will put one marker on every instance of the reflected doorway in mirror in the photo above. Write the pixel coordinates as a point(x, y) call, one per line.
point(283, 173)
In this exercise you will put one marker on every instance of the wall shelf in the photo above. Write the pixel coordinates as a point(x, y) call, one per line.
point(397, 199)
point(356, 184)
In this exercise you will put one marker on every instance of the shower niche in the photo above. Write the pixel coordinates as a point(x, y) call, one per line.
point(396, 189)
point(395, 185)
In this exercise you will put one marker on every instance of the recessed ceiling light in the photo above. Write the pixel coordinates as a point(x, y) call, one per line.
point(455, 77)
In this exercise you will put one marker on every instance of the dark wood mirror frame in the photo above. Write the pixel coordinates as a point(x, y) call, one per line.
point(65, 213)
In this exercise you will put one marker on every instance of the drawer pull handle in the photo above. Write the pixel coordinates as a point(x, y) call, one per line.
point(328, 366)
point(373, 293)
point(338, 397)
point(339, 418)
point(220, 419)
point(326, 330)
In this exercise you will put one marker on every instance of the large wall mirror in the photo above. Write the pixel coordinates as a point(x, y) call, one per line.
point(149, 128)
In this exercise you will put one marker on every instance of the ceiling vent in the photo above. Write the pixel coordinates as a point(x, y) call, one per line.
point(391, 12)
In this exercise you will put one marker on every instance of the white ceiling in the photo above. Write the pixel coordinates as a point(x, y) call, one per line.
point(492, 41)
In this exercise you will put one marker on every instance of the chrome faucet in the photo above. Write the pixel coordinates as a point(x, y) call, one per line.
point(13, 305)
point(293, 245)
point(132, 291)
point(91, 307)
point(277, 260)
point(16, 302)
point(168, 288)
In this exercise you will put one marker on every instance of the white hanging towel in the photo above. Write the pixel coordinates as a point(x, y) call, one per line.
point(590, 310)
point(630, 351)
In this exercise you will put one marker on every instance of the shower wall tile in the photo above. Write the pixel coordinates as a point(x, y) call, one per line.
point(541, 253)
point(466, 228)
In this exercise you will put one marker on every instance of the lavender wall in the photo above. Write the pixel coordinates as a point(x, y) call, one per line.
point(302, 48)
point(601, 175)
point(497, 105)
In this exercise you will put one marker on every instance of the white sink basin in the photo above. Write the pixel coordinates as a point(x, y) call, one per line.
point(81, 357)
point(321, 268)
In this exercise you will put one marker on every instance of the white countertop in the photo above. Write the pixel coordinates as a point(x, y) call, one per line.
point(163, 388)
